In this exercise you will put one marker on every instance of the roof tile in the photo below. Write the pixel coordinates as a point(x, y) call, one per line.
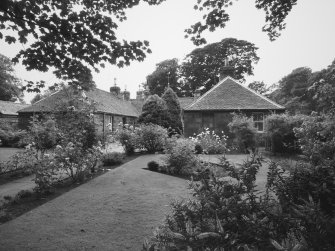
point(229, 94)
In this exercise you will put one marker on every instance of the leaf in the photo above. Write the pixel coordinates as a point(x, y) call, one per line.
point(276, 245)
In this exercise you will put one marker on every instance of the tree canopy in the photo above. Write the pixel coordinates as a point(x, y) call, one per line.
point(304, 91)
point(203, 65)
point(216, 16)
point(9, 84)
point(165, 72)
point(70, 37)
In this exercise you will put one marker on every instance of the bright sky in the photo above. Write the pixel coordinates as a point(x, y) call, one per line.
point(308, 40)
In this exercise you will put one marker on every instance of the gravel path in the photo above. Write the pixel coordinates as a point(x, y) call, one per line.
point(114, 211)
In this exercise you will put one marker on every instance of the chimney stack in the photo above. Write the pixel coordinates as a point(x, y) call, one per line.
point(226, 70)
point(126, 95)
point(115, 89)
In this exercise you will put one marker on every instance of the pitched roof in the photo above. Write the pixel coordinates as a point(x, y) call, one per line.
point(105, 102)
point(186, 101)
point(229, 94)
point(10, 108)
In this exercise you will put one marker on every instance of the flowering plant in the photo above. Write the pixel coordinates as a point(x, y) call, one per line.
point(210, 142)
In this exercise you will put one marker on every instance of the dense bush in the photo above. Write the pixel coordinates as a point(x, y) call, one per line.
point(151, 137)
point(44, 133)
point(153, 166)
point(113, 158)
point(316, 136)
point(306, 195)
point(244, 133)
point(154, 111)
point(180, 158)
point(127, 137)
point(198, 149)
point(22, 161)
point(11, 137)
point(173, 110)
point(279, 129)
point(223, 214)
point(75, 120)
point(75, 161)
point(210, 142)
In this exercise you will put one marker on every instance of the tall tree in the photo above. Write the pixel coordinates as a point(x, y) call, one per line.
point(259, 87)
point(322, 89)
point(9, 84)
point(203, 65)
point(72, 37)
point(154, 111)
point(216, 16)
point(292, 91)
point(166, 72)
point(173, 110)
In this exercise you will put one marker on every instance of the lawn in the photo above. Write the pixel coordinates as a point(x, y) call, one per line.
point(114, 211)
point(7, 152)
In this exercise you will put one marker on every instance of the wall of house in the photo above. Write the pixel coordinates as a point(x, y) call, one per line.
point(24, 120)
point(11, 120)
point(195, 122)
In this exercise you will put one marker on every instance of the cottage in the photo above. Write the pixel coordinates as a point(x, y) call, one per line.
point(112, 108)
point(8, 112)
point(214, 109)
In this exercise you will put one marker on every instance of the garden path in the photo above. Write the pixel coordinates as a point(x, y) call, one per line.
point(114, 211)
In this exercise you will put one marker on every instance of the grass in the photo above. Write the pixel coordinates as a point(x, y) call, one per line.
point(28, 200)
point(114, 211)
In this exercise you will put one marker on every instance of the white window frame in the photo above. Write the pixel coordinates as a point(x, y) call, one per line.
point(258, 121)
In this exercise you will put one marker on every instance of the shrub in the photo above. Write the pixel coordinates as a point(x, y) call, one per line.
point(223, 214)
point(23, 161)
point(127, 137)
point(151, 137)
point(153, 166)
point(316, 136)
point(180, 158)
point(198, 149)
point(24, 194)
point(154, 111)
point(210, 142)
point(244, 132)
point(75, 120)
point(174, 111)
point(279, 129)
point(76, 161)
point(11, 137)
point(113, 158)
point(44, 133)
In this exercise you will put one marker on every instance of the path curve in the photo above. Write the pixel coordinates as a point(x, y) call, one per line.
point(114, 211)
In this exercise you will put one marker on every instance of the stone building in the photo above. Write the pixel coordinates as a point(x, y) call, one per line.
point(8, 112)
point(112, 107)
point(214, 109)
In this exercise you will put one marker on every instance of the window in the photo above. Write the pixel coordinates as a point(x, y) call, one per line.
point(258, 119)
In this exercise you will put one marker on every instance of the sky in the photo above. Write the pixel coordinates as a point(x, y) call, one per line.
point(308, 40)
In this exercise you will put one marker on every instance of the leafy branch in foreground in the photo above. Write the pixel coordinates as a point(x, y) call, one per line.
point(72, 37)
